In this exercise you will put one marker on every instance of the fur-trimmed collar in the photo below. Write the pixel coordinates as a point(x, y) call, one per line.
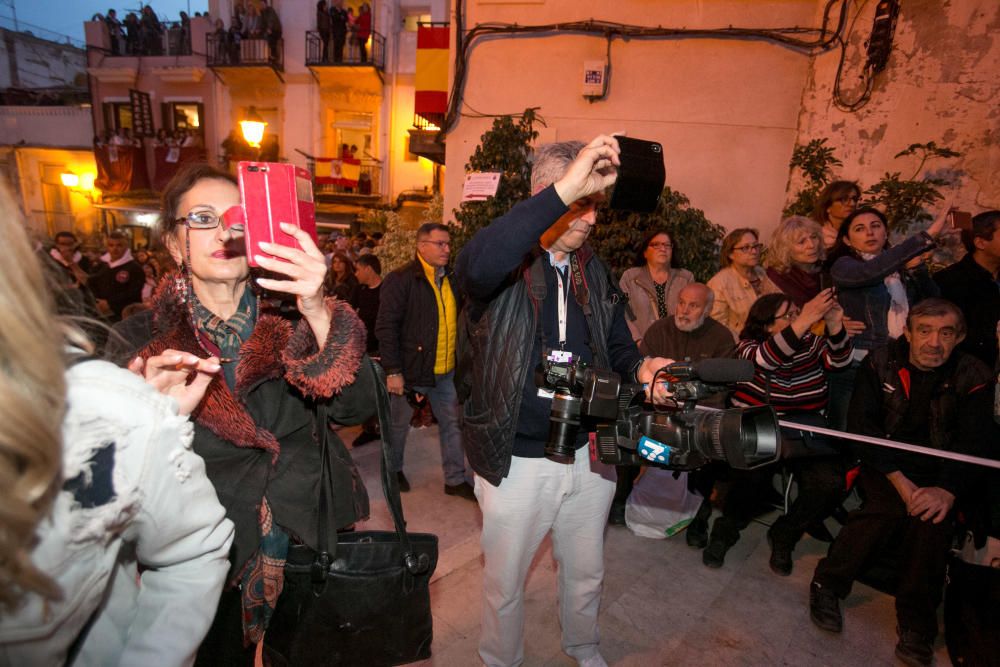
point(277, 348)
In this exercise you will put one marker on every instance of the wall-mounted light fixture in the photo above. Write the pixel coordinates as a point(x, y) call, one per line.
point(82, 184)
point(253, 128)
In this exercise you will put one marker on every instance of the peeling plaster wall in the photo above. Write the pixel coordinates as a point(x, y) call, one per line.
point(941, 84)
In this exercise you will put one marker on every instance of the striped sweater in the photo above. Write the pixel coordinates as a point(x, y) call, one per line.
point(789, 371)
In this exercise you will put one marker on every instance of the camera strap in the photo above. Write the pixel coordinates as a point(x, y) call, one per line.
point(581, 292)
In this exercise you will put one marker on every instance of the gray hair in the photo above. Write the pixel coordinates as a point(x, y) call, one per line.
point(550, 162)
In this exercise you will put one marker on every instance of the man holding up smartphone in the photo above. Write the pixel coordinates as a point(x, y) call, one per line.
point(971, 283)
point(536, 288)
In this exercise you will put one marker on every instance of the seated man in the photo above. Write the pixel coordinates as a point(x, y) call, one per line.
point(689, 334)
point(919, 390)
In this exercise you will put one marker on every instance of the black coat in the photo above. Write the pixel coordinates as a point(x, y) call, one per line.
point(259, 439)
point(407, 324)
point(973, 289)
point(119, 286)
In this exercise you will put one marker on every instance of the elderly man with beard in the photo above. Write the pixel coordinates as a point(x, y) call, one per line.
point(690, 334)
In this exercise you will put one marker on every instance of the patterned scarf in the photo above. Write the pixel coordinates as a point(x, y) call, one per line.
point(227, 335)
point(262, 577)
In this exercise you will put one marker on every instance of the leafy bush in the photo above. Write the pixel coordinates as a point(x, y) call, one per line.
point(904, 200)
point(506, 148)
point(696, 239)
point(816, 161)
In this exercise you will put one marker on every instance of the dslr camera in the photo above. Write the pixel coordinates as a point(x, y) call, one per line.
point(678, 437)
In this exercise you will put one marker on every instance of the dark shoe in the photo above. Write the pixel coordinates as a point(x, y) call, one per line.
point(364, 439)
point(616, 517)
point(404, 484)
point(819, 531)
point(714, 555)
point(914, 648)
point(696, 533)
point(824, 608)
point(463, 490)
point(781, 558)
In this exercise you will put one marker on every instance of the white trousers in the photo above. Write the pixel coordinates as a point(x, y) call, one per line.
point(539, 495)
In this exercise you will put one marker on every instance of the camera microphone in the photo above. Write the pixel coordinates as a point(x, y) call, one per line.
point(712, 371)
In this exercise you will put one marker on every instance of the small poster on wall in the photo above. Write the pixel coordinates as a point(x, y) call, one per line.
point(480, 185)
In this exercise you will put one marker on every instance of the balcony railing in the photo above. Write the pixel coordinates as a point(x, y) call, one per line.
point(172, 40)
point(222, 51)
point(354, 53)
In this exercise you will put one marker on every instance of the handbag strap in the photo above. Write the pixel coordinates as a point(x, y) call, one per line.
point(390, 485)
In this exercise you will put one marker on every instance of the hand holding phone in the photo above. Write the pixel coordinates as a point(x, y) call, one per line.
point(273, 193)
point(641, 176)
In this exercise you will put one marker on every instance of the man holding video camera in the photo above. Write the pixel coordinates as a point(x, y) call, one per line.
point(538, 292)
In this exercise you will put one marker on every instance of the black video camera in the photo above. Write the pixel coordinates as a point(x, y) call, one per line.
point(678, 437)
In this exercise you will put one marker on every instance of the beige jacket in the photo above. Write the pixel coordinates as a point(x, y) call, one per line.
point(734, 295)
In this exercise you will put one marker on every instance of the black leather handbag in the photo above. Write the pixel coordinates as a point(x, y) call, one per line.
point(365, 598)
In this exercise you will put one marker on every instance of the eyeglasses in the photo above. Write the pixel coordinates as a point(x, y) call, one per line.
point(847, 199)
point(440, 244)
point(789, 314)
point(204, 220)
point(750, 247)
point(661, 246)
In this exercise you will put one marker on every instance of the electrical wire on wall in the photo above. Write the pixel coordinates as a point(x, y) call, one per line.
point(879, 46)
point(809, 41)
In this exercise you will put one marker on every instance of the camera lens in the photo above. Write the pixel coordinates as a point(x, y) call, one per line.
point(564, 424)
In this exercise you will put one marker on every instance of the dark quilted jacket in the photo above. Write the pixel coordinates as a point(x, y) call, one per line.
point(501, 330)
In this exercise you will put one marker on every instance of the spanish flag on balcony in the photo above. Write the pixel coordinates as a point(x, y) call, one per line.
point(431, 80)
point(338, 171)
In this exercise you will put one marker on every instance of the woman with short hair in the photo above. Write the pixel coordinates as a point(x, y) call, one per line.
point(654, 282)
point(741, 281)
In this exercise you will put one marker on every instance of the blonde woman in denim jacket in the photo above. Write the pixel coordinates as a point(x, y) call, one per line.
point(99, 479)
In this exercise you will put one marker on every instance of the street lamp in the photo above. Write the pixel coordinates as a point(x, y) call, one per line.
point(253, 128)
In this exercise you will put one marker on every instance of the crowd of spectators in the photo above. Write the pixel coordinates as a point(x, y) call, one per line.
point(145, 34)
point(251, 20)
point(339, 27)
point(843, 329)
point(177, 138)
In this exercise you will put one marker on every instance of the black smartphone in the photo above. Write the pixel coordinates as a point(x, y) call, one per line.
point(826, 282)
point(641, 176)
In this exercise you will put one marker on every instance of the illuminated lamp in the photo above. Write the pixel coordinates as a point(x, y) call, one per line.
point(69, 179)
point(253, 128)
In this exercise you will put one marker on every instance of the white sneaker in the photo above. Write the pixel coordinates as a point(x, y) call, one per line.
point(595, 660)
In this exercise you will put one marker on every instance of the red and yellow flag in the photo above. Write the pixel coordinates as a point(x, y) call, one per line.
point(431, 79)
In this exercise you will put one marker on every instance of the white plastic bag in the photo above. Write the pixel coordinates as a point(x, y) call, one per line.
point(659, 505)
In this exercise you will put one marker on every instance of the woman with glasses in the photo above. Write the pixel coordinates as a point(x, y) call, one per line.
point(837, 201)
point(258, 426)
point(789, 374)
point(653, 283)
point(741, 281)
point(876, 284)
